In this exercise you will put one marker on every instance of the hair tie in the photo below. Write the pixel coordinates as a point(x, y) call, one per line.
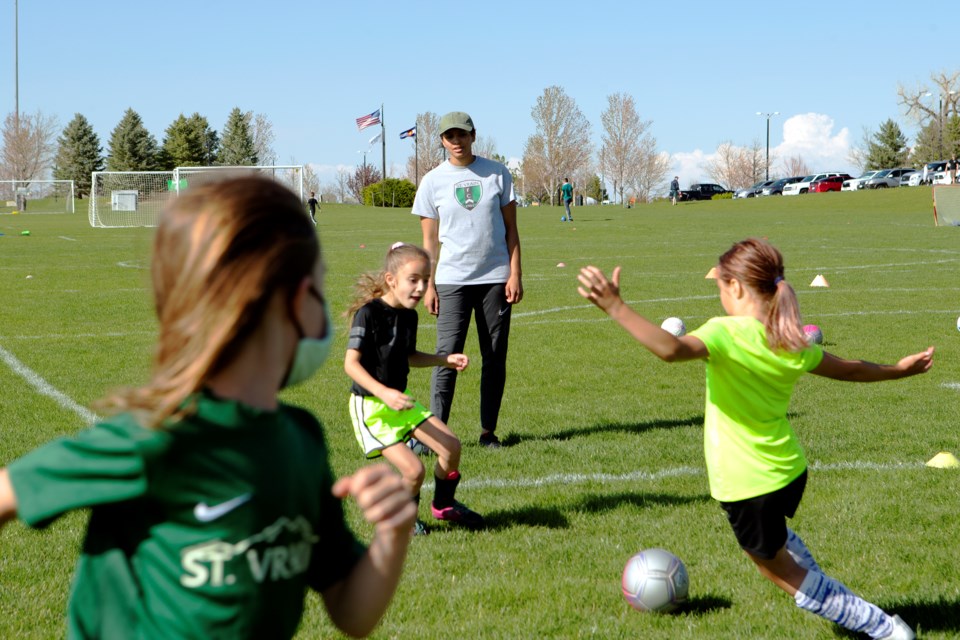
point(777, 280)
point(396, 245)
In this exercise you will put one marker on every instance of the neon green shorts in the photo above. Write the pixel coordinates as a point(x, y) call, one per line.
point(377, 426)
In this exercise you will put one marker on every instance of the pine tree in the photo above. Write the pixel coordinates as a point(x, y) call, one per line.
point(236, 146)
point(183, 145)
point(209, 139)
point(927, 147)
point(78, 155)
point(951, 137)
point(132, 147)
point(888, 149)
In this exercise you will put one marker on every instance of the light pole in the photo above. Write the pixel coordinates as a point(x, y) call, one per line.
point(939, 121)
point(768, 116)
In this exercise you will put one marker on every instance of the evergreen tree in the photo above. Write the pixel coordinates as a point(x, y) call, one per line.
point(209, 139)
point(237, 147)
point(888, 148)
point(132, 147)
point(951, 137)
point(78, 155)
point(189, 142)
point(927, 147)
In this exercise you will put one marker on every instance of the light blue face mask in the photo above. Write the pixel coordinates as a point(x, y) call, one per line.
point(311, 352)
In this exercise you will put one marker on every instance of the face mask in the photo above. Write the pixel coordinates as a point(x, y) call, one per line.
point(311, 354)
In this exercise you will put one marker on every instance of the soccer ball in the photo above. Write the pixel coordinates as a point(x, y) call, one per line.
point(813, 333)
point(418, 447)
point(674, 326)
point(655, 580)
point(563, 218)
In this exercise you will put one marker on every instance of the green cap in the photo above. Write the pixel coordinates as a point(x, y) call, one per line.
point(456, 120)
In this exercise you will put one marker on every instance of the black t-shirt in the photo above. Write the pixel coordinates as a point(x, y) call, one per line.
point(312, 203)
point(385, 337)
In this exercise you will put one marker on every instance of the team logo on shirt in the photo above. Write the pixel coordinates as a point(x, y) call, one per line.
point(468, 193)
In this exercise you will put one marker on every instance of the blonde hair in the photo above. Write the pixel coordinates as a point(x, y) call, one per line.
point(370, 286)
point(758, 265)
point(220, 252)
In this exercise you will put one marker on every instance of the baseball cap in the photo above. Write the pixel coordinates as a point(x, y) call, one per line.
point(456, 120)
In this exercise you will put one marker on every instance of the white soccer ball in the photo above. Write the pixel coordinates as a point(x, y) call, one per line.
point(674, 326)
point(958, 324)
point(655, 580)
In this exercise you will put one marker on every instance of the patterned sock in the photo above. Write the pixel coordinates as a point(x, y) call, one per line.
point(446, 488)
point(830, 599)
point(799, 552)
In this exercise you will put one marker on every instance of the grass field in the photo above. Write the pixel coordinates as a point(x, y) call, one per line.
point(605, 452)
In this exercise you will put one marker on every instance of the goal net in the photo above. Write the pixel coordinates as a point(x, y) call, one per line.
point(129, 198)
point(136, 198)
point(36, 196)
point(946, 205)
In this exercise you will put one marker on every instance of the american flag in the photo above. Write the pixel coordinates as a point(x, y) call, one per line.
point(368, 120)
point(409, 133)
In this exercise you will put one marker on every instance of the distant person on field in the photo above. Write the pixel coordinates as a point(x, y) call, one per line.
point(952, 166)
point(755, 464)
point(213, 507)
point(312, 203)
point(381, 350)
point(674, 189)
point(566, 192)
point(468, 216)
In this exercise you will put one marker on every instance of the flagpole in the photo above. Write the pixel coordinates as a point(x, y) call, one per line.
point(416, 154)
point(383, 147)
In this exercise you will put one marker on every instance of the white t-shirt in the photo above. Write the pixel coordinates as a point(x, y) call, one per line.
point(467, 201)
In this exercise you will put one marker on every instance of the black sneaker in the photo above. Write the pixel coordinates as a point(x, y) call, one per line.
point(490, 440)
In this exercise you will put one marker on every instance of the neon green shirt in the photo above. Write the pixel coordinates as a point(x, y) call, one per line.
point(212, 528)
point(750, 448)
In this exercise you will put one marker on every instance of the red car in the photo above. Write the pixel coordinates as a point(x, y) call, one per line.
point(833, 183)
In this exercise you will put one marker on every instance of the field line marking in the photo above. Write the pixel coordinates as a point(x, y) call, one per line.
point(640, 475)
point(45, 388)
point(66, 238)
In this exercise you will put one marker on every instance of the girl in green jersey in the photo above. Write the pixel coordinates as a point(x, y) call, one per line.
point(213, 507)
point(756, 467)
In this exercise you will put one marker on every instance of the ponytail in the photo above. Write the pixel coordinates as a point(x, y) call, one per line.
point(783, 325)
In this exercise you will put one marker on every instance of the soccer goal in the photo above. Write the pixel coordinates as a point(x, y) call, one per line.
point(946, 205)
point(37, 196)
point(136, 198)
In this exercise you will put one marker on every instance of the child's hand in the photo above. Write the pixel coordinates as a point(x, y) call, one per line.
point(396, 400)
point(917, 363)
point(597, 289)
point(457, 361)
point(380, 494)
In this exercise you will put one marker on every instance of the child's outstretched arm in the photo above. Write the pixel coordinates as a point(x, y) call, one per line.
point(456, 361)
point(861, 371)
point(8, 500)
point(357, 603)
point(604, 293)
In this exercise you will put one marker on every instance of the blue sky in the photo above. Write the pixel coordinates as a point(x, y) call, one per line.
point(698, 70)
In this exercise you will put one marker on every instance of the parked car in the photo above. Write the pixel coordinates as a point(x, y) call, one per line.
point(776, 189)
point(940, 177)
point(884, 179)
point(803, 186)
point(853, 183)
point(830, 183)
point(905, 177)
point(930, 169)
point(703, 191)
point(916, 179)
point(751, 192)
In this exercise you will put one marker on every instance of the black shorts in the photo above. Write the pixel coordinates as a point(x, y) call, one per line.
point(760, 523)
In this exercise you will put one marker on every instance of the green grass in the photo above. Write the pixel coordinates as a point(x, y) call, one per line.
point(585, 407)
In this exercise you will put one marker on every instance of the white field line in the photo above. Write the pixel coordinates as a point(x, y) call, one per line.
point(951, 385)
point(63, 336)
point(66, 238)
point(45, 388)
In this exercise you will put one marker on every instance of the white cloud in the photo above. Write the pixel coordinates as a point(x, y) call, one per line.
point(810, 136)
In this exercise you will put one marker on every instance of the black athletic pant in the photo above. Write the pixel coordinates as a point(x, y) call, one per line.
point(488, 302)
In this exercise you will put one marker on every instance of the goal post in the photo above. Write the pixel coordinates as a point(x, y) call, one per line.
point(946, 205)
point(37, 196)
point(136, 198)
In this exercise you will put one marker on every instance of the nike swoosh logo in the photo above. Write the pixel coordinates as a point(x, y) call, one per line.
point(503, 311)
point(205, 513)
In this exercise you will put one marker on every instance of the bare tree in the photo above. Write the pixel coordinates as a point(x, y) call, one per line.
point(428, 152)
point(311, 182)
point(364, 176)
point(651, 172)
point(737, 167)
point(622, 133)
point(561, 141)
point(485, 147)
point(795, 166)
point(28, 146)
point(537, 178)
point(263, 138)
point(342, 183)
point(925, 105)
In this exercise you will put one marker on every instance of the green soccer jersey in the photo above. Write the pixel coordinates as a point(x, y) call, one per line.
point(749, 445)
point(212, 528)
point(567, 191)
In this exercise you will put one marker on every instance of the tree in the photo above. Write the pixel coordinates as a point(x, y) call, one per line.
point(561, 143)
point(736, 167)
point(27, 146)
point(311, 182)
point(237, 148)
point(622, 131)
point(927, 147)
point(887, 148)
point(392, 192)
point(364, 176)
point(78, 154)
point(262, 138)
point(485, 147)
point(342, 183)
point(795, 166)
point(131, 146)
point(182, 146)
point(427, 150)
point(652, 172)
point(594, 189)
point(537, 180)
point(210, 140)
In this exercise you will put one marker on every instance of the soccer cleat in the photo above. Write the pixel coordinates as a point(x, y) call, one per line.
point(900, 630)
point(490, 440)
point(420, 528)
point(418, 447)
point(458, 513)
